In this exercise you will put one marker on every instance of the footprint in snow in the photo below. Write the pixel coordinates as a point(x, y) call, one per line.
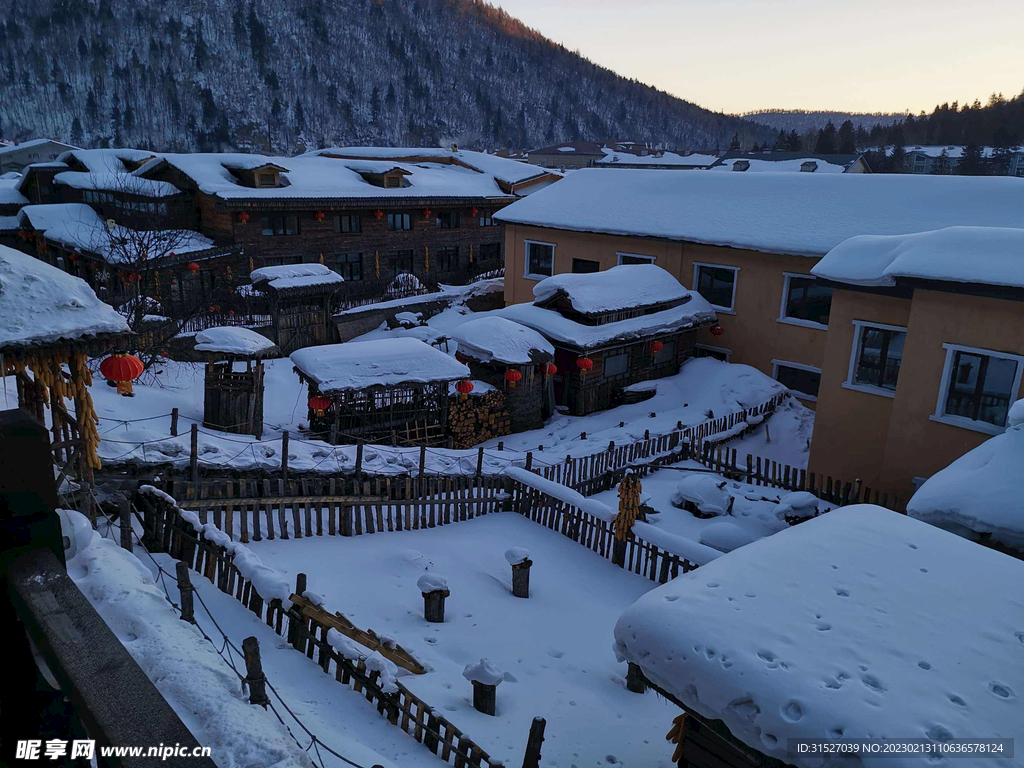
point(1000, 690)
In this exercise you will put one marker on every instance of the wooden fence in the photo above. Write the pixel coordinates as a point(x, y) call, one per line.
point(167, 531)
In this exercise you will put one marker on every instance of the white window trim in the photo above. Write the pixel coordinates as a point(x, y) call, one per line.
point(947, 371)
point(526, 259)
point(859, 326)
point(644, 256)
point(776, 364)
point(730, 310)
point(720, 350)
point(783, 318)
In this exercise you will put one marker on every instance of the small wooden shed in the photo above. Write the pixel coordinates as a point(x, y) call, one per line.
point(233, 398)
point(386, 390)
point(301, 299)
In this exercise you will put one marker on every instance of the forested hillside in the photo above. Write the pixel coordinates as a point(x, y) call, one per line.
point(802, 121)
point(280, 75)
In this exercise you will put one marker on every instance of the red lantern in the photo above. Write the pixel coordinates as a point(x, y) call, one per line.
point(193, 267)
point(550, 369)
point(657, 346)
point(426, 213)
point(584, 364)
point(717, 330)
point(319, 215)
point(473, 211)
point(512, 376)
point(72, 257)
point(378, 214)
point(243, 217)
point(122, 370)
point(211, 309)
point(464, 387)
point(461, 358)
point(319, 404)
point(231, 313)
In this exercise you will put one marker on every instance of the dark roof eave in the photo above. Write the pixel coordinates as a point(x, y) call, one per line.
point(275, 203)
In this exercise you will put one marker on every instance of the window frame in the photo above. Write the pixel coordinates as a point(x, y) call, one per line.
point(730, 310)
point(776, 364)
point(856, 386)
point(451, 216)
point(585, 261)
point(526, 259)
point(727, 353)
point(786, 319)
point(642, 256)
point(343, 263)
point(284, 225)
point(406, 217)
point(626, 353)
point(341, 218)
point(940, 414)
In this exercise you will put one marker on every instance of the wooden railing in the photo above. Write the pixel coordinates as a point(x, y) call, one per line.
point(167, 530)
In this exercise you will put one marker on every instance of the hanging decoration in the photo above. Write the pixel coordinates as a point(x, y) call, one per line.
point(470, 253)
point(321, 258)
point(657, 346)
point(584, 364)
point(156, 281)
point(550, 369)
point(462, 358)
point(122, 369)
point(243, 217)
point(378, 214)
point(193, 267)
point(231, 280)
point(512, 376)
point(252, 267)
point(464, 387)
point(376, 263)
point(473, 211)
point(717, 330)
point(319, 216)
point(426, 213)
point(319, 404)
point(426, 259)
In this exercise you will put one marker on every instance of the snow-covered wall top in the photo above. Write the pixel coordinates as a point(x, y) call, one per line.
point(990, 255)
point(980, 493)
point(495, 338)
point(295, 276)
point(861, 623)
point(40, 303)
point(622, 287)
point(232, 340)
point(798, 213)
point(381, 362)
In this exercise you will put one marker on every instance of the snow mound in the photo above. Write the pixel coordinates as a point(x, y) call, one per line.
point(621, 287)
point(233, 340)
point(388, 672)
point(505, 341)
point(294, 276)
point(724, 536)
point(484, 672)
point(40, 303)
point(432, 582)
point(979, 494)
point(516, 555)
point(862, 623)
point(797, 504)
point(706, 492)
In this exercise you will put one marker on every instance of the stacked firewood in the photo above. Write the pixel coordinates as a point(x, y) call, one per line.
point(478, 418)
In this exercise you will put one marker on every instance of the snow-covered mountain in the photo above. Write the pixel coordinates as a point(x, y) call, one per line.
point(280, 76)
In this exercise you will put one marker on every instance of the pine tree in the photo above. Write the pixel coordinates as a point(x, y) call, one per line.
point(847, 142)
point(793, 142)
point(972, 163)
point(826, 140)
point(941, 166)
point(781, 140)
point(735, 143)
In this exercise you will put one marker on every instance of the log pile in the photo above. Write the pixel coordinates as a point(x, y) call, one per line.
point(478, 418)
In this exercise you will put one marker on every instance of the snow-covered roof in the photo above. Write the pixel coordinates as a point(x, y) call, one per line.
point(106, 170)
point(80, 228)
point(5, 148)
point(798, 213)
point(295, 276)
point(561, 329)
point(611, 157)
point(622, 287)
point(381, 362)
point(861, 623)
point(9, 194)
point(40, 303)
point(758, 165)
point(980, 493)
point(504, 341)
point(989, 255)
point(233, 340)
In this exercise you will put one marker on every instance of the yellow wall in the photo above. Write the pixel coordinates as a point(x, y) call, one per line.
point(753, 334)
point(889, 441)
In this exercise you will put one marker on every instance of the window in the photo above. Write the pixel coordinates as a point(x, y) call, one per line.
point(397, 221)
point(718, 353)
point(803, 380)
point(805, 301)
point(400, 261)
point(634, 258)
point(349, 265)
point(666, 355)
point(978, 387)
point(348, 223)
point(616, 365)
point(585, 266)
point(266, 179)
point(876, 357)
point(393, 181)
point(446, 259)
point(486, 220)
point(490, 252)
point(447, 220)
point(280, 225)
point(540, 259)
point(717, 284)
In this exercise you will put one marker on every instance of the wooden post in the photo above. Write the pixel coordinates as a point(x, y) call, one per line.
point(359, 460)
point(529, 460)
point(394, 438)
point(619, 552)
point(284, 456)
point(174, 422)
point(185, 589)
point(484, 697)
point(531, 759)
point(125, 524)
point(254, 677)
point(479, 461)
point(635, 679)
point(521, 579)
point(433, 605)
point(194, 460)
point(423, 459)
